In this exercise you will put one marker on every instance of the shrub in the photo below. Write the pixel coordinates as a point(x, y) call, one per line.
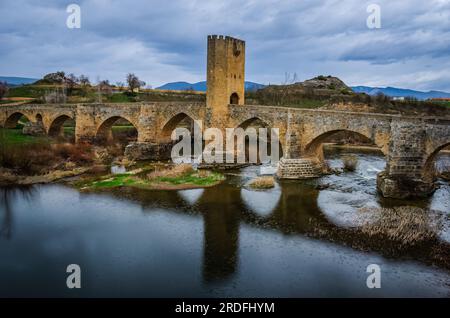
point(350, 162)
point(115, 150)
point(26, 159)
point(3, 89)
point(79, 153)
point(173, 172)
point(266, 182)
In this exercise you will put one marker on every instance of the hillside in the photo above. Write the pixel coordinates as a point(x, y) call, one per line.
point(90, 94)
point(312, 93)
point(328, 92)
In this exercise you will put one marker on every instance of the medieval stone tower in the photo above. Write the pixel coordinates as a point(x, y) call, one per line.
point(225, 76)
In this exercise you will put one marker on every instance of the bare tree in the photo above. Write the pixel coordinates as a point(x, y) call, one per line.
point(120, 85)
point(134, 82)
point(289, 79)
point(105, 88)
point(84, 80)
point(70, 82)
point(84, 83)
point(3, 89)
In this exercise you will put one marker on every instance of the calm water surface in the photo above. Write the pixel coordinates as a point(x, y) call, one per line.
point(225, 241)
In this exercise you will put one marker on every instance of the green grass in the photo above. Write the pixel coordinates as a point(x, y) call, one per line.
point(33, 91)
point(193, 178)
point(120, 98)
point(118, 180)
point(16, 137)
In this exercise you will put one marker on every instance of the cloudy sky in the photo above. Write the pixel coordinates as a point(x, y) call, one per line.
point(165, 40)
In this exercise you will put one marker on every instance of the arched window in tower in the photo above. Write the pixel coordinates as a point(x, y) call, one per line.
point(234, 99)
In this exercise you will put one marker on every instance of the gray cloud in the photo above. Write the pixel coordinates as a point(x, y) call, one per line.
point(166, 40)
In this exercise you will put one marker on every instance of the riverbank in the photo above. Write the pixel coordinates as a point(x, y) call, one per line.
point(7, 178)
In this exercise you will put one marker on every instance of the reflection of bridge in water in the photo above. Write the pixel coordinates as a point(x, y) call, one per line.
point(224, 211)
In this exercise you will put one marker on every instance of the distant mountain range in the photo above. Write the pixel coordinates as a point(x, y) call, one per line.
point(201, 86)
point(15, 81)
point(400, 92)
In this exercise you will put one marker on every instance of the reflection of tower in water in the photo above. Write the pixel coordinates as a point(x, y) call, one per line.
point(221, 232)
point(6, 215)
point(7, 197)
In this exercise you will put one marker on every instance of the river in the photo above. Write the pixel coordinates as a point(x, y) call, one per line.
point(224, 241)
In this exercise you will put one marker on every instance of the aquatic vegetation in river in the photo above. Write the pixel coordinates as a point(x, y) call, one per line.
point(405, 225)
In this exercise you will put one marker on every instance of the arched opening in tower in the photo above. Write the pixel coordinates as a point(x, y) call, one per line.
point(234, 99)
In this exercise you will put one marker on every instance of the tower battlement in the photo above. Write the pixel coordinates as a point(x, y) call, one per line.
point(215, 37)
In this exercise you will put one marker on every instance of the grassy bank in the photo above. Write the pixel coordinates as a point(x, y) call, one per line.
point(154, 178)
point(16, 137)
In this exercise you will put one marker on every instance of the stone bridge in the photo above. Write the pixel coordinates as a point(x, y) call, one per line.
point(409, 144)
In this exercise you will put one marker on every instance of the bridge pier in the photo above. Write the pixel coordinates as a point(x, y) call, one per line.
point(406, 175)
point(296, 164)
point(300, 168)
point(148, 151)
point(403, 187)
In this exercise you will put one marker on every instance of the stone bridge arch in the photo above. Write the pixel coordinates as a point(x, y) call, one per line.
point(437, 137)
point(13, 118)
point(174, 120)
point(262, 122)
point(254, 119)
point(104, 131)
point(314, 133)
point(55, 124)
point(428, 168)
point(273, 117)
point(313, 146)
